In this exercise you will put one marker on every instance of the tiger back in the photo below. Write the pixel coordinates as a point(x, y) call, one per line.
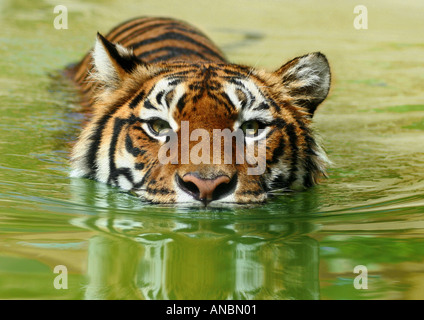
point(174, 122)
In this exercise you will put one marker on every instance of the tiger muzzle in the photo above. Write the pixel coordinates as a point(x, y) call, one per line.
point(206, 190)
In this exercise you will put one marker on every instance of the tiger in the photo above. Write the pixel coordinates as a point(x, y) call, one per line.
point(150, 75)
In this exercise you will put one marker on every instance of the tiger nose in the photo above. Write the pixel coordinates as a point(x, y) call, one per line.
point(205, 190)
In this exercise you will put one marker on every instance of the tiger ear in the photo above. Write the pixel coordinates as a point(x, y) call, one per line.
point(307, 79)
point(112, 62)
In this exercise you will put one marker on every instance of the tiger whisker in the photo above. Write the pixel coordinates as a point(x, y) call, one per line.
point(254, 66)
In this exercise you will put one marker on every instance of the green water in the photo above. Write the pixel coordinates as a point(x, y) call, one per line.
point(303, 245)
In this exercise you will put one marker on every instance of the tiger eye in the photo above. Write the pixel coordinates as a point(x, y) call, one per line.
point(250, 128)
point(159, 126)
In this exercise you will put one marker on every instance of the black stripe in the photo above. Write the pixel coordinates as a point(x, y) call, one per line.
point(268, 99)
point(290, 129)
point(310, 169)
point(159, 97)
point(181, 102)
point(280, 182)
point(146, 135)
point(244, 72)
point(95, 139)
point(243, 103)
point(236, 81)
point(229, 102)
point(128, 63)
point(245, 90)
point(181, 74)
point(143, 20)
point(148, 105)
point(309, 165)
point(172, 53)
point(126, 172)
point(175, 81)
point(278, 152)
point(144, 29)
point(134, 151)
point(178, 27)
point(117, 127)
point(279, 123)
point(139, 184)
point(139, 166)
point(129, 146)
point(179, 37)
point(262, 106)
point(270, 133)
point(276, 106)
point(256, 193)
point(137, 99)
point(251, 96)
point(166, 25)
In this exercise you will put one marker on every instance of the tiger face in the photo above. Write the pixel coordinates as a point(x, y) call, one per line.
point(157, 127)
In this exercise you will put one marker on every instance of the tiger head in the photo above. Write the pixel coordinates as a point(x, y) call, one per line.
point(158, 128)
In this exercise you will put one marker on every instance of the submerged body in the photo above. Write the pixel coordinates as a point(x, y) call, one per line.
point(152, 80)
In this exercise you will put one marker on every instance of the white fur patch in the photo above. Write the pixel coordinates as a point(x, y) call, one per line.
point(104, 70)
point(254, 99)
point(311, 71)
point(124, 183)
